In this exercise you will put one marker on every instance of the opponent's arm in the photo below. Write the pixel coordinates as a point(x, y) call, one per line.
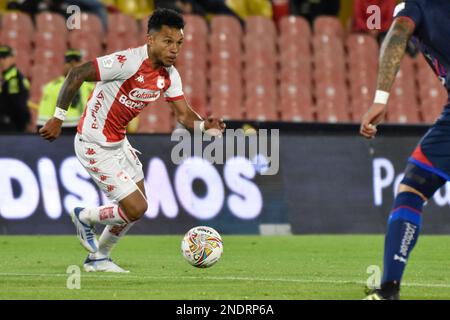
point(85, 72)
point(189, 118)
point(392, 51)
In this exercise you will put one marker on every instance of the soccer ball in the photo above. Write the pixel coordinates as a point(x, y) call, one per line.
point(202, 246)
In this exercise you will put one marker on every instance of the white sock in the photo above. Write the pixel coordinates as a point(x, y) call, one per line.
point(109, 215)
point(109, 238)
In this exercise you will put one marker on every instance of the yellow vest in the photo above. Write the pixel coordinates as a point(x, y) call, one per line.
point(48, 102)
point(246, 8)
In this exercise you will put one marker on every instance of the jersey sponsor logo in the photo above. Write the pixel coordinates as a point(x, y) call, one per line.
point(121, 58)
point(96, 108)
point(145, 95)
point(130, 103)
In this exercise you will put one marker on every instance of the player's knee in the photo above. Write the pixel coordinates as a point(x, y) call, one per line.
point(420, 181)
point(135, 211)
point(406, 188)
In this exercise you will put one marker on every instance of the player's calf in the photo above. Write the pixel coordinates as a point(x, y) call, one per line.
point(134, 206)
point(404, 224)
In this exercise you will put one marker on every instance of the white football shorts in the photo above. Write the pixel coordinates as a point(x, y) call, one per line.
point(114, 169)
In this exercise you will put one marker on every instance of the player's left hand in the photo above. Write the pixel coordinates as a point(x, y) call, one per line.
point(51, 130)
point(371, 119)
point(215, 127)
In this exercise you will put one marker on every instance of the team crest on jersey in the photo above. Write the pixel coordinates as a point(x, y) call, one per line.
point(161, 82)
point(144, 95)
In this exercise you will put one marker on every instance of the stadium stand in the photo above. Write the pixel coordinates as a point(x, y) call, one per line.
point(263, 71)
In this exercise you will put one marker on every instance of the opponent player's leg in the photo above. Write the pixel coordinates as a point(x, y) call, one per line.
point(404, 224)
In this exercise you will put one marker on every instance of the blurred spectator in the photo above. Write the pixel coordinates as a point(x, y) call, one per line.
point(60, 6)
point(360, 16)
point(14, 91)
point(247, 8)
point(92, 6)
point(310, 9)
point(360, 19)
point(199, 7)
point(177, 5)
point(72, 58)
point(280, 9)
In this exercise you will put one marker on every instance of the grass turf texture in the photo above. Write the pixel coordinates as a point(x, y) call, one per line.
point(252, 267)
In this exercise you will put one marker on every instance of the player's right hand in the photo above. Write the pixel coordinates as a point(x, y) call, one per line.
point(371, 119)
point(51, 129)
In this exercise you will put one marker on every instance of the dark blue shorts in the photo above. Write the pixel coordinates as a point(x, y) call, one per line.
point(433, 151)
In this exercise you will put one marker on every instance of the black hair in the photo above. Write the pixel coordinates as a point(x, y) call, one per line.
point(165, 17)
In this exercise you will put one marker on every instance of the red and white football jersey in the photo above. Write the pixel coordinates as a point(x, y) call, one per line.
point(127, 83)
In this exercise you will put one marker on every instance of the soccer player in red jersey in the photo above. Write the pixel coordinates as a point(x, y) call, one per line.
point(126, 82)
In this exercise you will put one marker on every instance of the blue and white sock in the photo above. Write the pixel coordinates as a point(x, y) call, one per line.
point(403, 231)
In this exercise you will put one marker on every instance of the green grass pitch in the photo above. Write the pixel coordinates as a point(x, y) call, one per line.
point(252, 267)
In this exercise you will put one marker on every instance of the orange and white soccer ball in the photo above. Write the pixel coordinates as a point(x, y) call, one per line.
point(202, 246)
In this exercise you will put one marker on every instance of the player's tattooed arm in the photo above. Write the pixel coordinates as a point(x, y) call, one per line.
point(73, 82)
point(392, 52)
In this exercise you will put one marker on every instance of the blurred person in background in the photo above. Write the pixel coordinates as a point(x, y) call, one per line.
point(14, 92)
point(198, 7)
point(310, 9)
point(72, 58)
point(360, 16)
point(247, 8)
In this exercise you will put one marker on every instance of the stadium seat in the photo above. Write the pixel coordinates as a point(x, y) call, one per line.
point(362, 60)
point(299, 46)
point(23, 62)
point(403, 101)
point(432, 94)
point(91, 24)
point(295, 26)
point(224, 24)
point(195, 24)
point(332, 103)
point(295, 102)
point(226, 93)
point(50, 40)
point(51, 22)
point(89, 48)
point(156, 118)
point(18, 21)
point(118, 44)
point(261, 26)
point(194, 88)
point(328, 25)
point(122, 25)
point(261, 109)
point(295, 60)
point(48, 58)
